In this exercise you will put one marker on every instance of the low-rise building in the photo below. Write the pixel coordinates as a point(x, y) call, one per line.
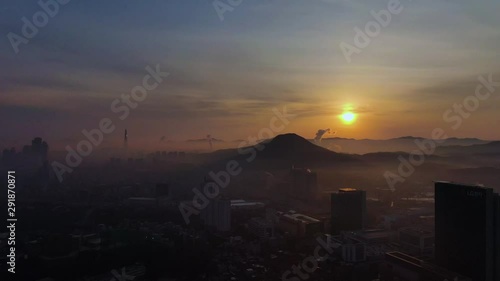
point(407, 268)
point(299, 225)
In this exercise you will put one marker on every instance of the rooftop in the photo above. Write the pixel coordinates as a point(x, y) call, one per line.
point(427, 267)
point(462, 184)
point(417, 231)
point(302, 218)
point(348, 189)
point(243, 204)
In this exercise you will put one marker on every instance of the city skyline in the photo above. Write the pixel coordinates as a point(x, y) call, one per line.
point(249, 140)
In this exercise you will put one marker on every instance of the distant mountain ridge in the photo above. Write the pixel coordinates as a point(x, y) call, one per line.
point(204, 140)
point(345, 145)
point(405, 138)
point(491, 148)
point(404, 144)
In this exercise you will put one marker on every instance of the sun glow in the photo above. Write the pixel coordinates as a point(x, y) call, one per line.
point(348, 117)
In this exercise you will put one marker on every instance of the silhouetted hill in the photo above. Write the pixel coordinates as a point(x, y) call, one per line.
point(295, 147)
point(289, 148)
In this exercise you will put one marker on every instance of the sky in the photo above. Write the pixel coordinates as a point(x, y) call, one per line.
point(226, 76)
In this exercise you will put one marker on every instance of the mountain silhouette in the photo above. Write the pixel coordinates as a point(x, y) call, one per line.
point(295, 147)
point(291, 149)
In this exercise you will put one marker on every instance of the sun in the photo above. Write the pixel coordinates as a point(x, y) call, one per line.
point(348, 117)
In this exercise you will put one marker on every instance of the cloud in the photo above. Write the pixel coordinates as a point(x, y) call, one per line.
point(261, 57)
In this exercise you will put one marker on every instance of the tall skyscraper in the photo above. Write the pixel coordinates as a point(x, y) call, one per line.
point(467, 230)
point(348, 210)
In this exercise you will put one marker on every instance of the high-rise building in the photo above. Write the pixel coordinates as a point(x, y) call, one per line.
point(467, 230)
point(217, 215)
point(348, 207)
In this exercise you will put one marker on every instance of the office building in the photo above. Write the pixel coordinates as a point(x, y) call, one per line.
point(467, 230)
point(299, 225)
point(348, 207)
point(404, 267)
point(349, 248)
